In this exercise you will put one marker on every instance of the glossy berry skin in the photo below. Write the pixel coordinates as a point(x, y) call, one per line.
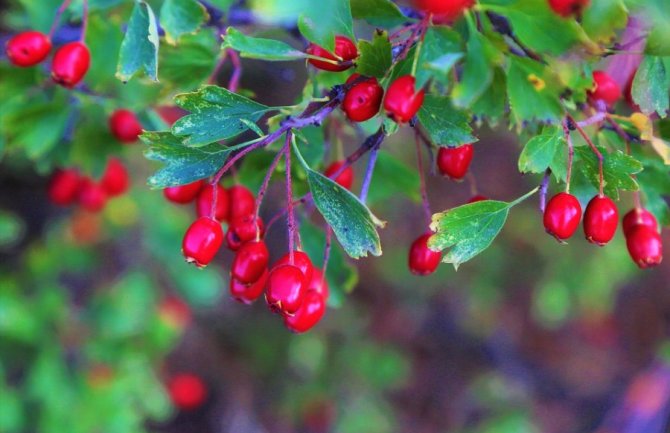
point(477, 198)
point(422, 260)
point(203, 205)
point(345, 179)
point(63, 187)
point(301, 261)
point(562, 215)
point(444, 11)
point(244, 229)
point(28, 48)
point(242, 202)
point(125, 126)
point(363, 100)
point(248, 293)
point(202, 241)
point(455, 161)
point(70, 64)
point(402, 100)
point(309, 314)
point(638, 217)
point(319, 283)
point(115, 180)
point(92, 196)
point(345, 49)
point(566, 8)
point(605, 88)
point(645, 246)
point(187, 391)
point(250, 262)
point(183, 194)
point(286, 289)
point(601, 218)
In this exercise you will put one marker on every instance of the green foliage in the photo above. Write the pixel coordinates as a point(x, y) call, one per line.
point(445, 125)
point(260, 48)
point(139, 49)
point(651, 86)
point(181, 17)
point(619, 170)
point(322, 32)
point(543, 151)
point(382, 13)
point(375, 56)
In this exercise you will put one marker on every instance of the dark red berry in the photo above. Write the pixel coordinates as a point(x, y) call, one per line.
point(319, 283)
point(455, 161)
point(345, 179)
point(600, 220)
point(63, 188)
point(203, 204)
point(444, 11)
point(286, 289)
point(566, 8)
point(248, 293)
point(645, 246)
point(301, 261)
point(422, 260)
point(187, 391)
point(309, 314)
point(244, 229)
point(345, 49)
point(477, 198)
point(250, 262)
point(202, 241)
point(115, 179)
point(242, 202)
point(562, 216)
point(402, 100)
point(363, 100)
point(638, 217)
point(183, 194)
point(28, 48)
point(605, 88)
point(70, 64)
point(92, 196)
point(125, 126)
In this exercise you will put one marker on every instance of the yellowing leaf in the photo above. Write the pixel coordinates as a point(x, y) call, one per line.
point(662, 148)
point(644, 125)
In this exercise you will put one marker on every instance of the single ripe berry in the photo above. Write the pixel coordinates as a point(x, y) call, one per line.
point(286, 289)
point(250, 262)
point(345, 50)
point(444, 11)
point(422, 260)
point(566, 8)
point(63, 186)
point(600, 220)
point(455, 161)
point(92, 196)
point(477, 198)
point(638, 217)
point(605, 88)
point(248, 293)
point(187, 391)
point(345, 179)
point(319, 283)
point(645, 246)
point(242, 202)
point(309, 314)
point(301, 261)
point(363, 100)
point(205, 198)
point(70, 64)
point(115, 179)
point(402, 100)
point(244, 229)
point(202, 241)
point(183, 194)
point(125, 126)
point(28, 48)
point(562, 216)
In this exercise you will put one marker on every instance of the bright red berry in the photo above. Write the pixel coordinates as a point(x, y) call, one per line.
point(562, 216)
point(345, 179)
point(477, 198)
point(402, 100)
point(455, 161)
point(605, 88)
point(422, 260)
point(183, 194)
point(319, 284)
point(600, 220)
point(125, 126)
point(63, 186)
point(566, 8)
point(244, 229)
point(301, 261)
point(645, 246)
point(202, 241)
point(250, 262)
point(309, 314)
point(242, 202)
point(345, 49)
point(638, 217)
point(248, 293)
point(363, 100)
point(92, 196)
point(115, 179)
point(187, 391)
point(286, 289)
point(444, 11)
point(70, 64)
point(28, 48)
point(203, 204)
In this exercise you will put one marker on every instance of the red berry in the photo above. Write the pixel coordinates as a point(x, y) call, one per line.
point(562, 215)
point(422, 260)
point(286, 289)
point(444, 11)
point(301, 261)
point(92, 196)
point(242, 202)
point(203, 204)
point(248, 293)
point(170, 113)
point(202, 241)
point(250, 262)
point(70, 64)
point(115, 179)
point(363, 100)
point(183, 194)
point(319, 284)
point(402, 100)
point(244, 229)
point(645, 246)
point(345, 49)
point(125, 126)
point(28, 48)
point(345, 179)
point(638, 217)
point(187, 391)
point(600, 220)
point(63, 187)
point(477, 198)
point(566, 8)
point(605, 88)
point(455, 161)
point(309, 314)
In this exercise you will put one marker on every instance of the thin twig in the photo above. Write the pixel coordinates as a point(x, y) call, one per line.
point(61, 9)
point(289, 197)
point(595, 150)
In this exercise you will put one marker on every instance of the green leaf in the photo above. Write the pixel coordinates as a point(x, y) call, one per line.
point(540, 152)
point(446, 125)
point(185, 67)
point(352, 222)
point(491, 104)
point(383, 13)
point(657, 14)
point(440, 50)
point(533, 94)
point(218, 114)
point(322, 20)
point(11, 229)
point(651, 86)
point(477, 73)
point(618, 167)
point(602, 18)
point(393, 178)
point(260, 48)
point(181, 17)
point(139, 49)
point(375, 57)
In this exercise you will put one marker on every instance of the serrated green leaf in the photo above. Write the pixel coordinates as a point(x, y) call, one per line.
point(651, 86)
point(532, 91)
point(322, 31)
point(375, 57)
point(181, 17)
point(446, 125)
point(477, 73)
point(618, 167)
point(441, 48)
point(602, 18)
point(491, 104)
point(139, 49)
point(541, 150)
point(383, 13)
point(185, 67)
point(260, 48)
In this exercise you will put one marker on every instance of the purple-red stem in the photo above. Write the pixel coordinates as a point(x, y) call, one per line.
point(326, 251)
point(234, 82)
point(369, 170)
point(84, 21)
point(266, 180)
point(595, 150)
point(422, 179)
point(289, 198)
point(62, 8)
point(543, 190)
point(571, 155)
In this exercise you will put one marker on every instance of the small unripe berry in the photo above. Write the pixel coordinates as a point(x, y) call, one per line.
point(242, 202)
point(402, 100)
point(566, 8)
point(125, 126)
point(92, 196)
point(28, 48)
point(638, 217)
point(345, 179)
point(345, 49)
point(645, 246)
point(183, 194)
point(605, 88)
point(301, 261)
point(250, 262)
point(286, 289)
point(248, 293)
point(363, 100)
point(562, 216)
point(205, 198)
point(64, 186)
point(115, 179)
point(70, 64)
point(422, 260)
point(244, 229)
point(455, 161)
point(202, 241)
point(601, 218)
point(187, 391)
point(309, 314)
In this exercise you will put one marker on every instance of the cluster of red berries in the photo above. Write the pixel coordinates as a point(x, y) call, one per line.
point(67, 186)
point(68, 66)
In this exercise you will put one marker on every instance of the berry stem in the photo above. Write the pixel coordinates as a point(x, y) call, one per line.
point(234, 82)
point(217, 69)
point(84, 21)
point(571, 155)
point(326, 250)
point(596, 151)
point(596, 118)
point(289, 197)
point(422, 179)
point(543, 190)
point(369, 170)
point(62, 8)
point(266, 182)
